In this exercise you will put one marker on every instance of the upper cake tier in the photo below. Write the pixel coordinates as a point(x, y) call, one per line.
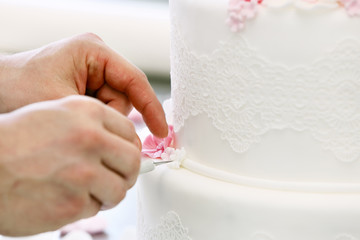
point(268, 89)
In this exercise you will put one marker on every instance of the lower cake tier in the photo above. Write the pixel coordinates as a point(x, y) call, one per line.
point(177, 204)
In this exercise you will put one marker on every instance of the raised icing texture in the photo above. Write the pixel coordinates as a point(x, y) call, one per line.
point(239, 96)
point(242, 10)
point(169, 228)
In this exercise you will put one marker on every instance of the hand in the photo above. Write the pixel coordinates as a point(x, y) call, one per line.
point(61, 161)
point(81, 65)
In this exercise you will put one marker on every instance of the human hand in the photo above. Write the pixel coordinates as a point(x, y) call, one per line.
point(83, 64)
point(61, 161)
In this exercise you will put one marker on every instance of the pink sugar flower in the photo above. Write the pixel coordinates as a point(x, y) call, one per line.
point(153, 146)
point(352, 7)
point(239, 11)
point(136, 117)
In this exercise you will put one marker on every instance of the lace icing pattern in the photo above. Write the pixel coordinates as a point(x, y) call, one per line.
point(246, 95)
point(169, 227)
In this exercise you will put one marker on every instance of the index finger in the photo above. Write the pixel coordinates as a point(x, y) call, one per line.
point(125, 77)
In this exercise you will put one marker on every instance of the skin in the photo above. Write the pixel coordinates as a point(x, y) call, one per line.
point(64, 156)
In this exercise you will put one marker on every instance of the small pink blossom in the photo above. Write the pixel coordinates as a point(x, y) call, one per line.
point(154, 147)
point(239, 11)
point(136, 117)
point(351, 6)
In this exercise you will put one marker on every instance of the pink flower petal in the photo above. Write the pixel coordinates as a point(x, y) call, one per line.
point(153, 147)
point(135, 116)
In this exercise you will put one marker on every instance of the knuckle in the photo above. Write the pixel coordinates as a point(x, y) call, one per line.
point(86, 174)
point(91, 36)
point(77, 205)
point(142, 75)
point(73, 102)
point(86, 137)
point(82, 102)
point(79, 175)
point(85, 38)
point(95, 66)
point(136, 76)
point(119, 193)
point(94, 108)
point(91, 137)
point(129, 125)
point(73, 207)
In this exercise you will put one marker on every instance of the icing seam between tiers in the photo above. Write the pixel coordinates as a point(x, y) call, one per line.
point(319, 187)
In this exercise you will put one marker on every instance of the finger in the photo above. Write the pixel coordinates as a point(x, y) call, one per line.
point(119, 125)
point(127, 78)
point(92, 208)
point(110, 119)
point(115, 99)
point(104, 65)
point(78, 178)
point(108, 188)
point(121, 157)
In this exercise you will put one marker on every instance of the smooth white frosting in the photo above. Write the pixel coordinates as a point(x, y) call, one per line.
point(181, 203)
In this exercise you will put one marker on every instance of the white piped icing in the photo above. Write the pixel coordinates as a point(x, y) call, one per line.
point(175, 155)
point(300, 186)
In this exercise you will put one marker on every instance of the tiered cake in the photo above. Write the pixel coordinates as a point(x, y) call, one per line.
point(266, 104)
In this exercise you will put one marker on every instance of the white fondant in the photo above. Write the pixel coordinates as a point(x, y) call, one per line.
point(212, 210)
point(300, 186)
point(276, 100)
point(270, 120)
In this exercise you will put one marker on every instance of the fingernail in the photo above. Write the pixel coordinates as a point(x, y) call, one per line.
point(138, 142)
point(106, 206)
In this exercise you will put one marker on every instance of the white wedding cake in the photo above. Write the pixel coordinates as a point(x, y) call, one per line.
point(266, 106)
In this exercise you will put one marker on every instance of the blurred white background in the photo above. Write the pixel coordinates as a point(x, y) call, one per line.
point(137, 29)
